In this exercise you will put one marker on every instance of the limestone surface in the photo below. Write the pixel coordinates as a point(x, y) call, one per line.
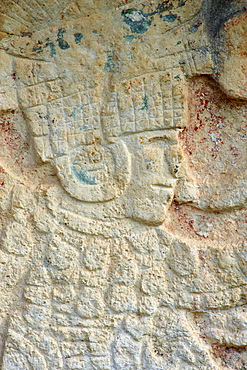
point(123, 185)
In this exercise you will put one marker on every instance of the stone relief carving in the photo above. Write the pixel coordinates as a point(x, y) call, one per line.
point(123, 230)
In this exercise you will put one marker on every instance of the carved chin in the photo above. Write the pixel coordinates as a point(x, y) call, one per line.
point(154, 216)
point(150, 211)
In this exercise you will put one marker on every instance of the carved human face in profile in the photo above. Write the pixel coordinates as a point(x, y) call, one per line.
point(95, 111)
point(157, 170)
point(140, 171)
point(125, 153)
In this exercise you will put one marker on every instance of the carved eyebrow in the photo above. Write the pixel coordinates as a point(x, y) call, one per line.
point(162, 138)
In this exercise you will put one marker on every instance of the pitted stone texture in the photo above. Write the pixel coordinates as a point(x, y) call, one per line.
point(123, 185)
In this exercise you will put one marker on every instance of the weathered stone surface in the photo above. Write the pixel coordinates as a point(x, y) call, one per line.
point(123, 186)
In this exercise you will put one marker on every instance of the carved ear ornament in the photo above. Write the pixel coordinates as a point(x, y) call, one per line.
point(82, 185)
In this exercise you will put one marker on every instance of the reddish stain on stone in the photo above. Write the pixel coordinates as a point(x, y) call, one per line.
point(181, 216)
point(214, 132)
point(8, 134)
point(15, 148)
point(204, 103)
point(231, 357)
point(2, 173)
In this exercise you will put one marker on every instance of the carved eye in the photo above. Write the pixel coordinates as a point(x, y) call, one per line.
point(175, 164)
point(175, 169)
point(150, 164)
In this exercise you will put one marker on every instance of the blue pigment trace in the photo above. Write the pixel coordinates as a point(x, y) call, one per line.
point(52, 46)
point(194, 27)
point(129, 37)
point(38, 48)
point(109, 66)
point(137, 26)
point(78, 37)
point(145, 103)
point(138, 21)
point(61, 42)
point(170, 17)
point(83, 176)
